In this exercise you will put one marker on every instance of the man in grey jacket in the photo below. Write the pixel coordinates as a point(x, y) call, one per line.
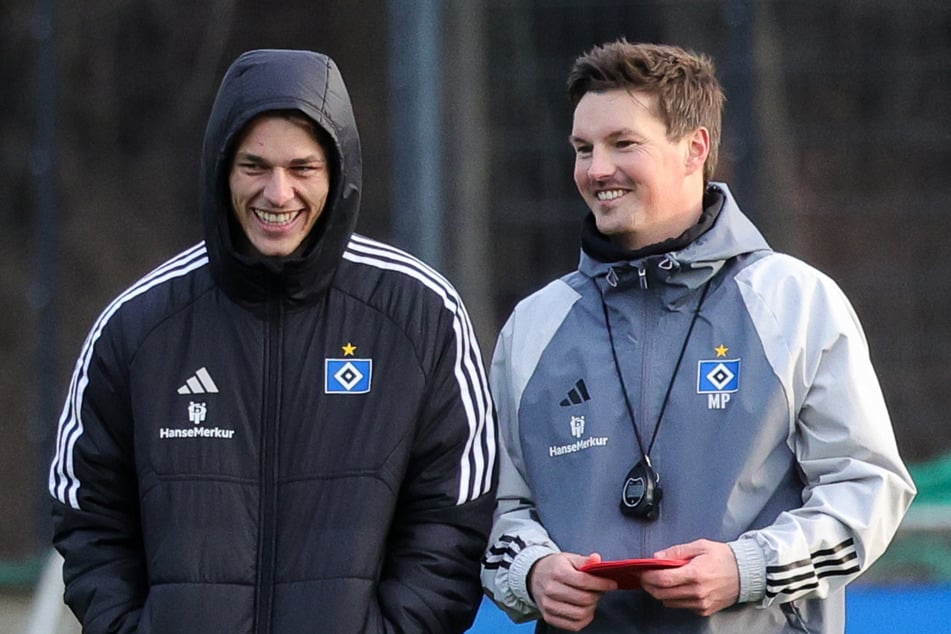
point(687, 394)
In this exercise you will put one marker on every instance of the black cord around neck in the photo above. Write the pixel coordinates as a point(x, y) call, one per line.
point(670, 384)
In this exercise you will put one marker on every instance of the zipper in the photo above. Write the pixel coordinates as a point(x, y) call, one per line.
point(645, 304)
point(267, 505)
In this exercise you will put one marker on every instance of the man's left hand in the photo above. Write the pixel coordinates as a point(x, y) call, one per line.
point(706, 584)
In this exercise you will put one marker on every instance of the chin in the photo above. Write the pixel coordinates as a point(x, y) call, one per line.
point(274, 251)
point(611, 228)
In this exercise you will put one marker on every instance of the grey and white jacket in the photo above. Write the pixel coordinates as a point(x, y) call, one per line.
point(775, 438)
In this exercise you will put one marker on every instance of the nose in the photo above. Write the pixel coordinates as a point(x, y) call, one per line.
point(600, 165)
point(278, 190)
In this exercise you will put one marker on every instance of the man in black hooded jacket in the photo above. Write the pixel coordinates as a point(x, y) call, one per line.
point(285, 428)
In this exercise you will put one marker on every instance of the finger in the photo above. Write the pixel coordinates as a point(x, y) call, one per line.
point(567, 617)
point(584, 583)
point(593, 558)
point(668, 578)
point(667, 591)
point(584, 580)
point(573, 596)
point(703, 607)
point(578, 561)
point(682, 551)
point(565, 614)
point(569, 625)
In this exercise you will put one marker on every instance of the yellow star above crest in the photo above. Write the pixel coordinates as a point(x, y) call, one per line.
point(348, 349)
point(721, 350)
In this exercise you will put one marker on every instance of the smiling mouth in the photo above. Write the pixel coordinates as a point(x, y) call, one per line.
point(276, 218)
point(610, 194)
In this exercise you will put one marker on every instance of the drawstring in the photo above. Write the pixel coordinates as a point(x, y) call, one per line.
point(670, 385)
point(612, 278)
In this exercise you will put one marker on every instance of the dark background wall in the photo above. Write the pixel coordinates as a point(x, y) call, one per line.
point(836, 142)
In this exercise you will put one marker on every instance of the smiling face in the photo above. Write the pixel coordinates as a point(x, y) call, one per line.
point(642, 187)
point(279, 183)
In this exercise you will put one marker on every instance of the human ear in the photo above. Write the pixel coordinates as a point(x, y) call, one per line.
point(698, 148)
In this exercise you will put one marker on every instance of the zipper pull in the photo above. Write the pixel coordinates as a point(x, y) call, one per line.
point(642, 276)
point(611, 277)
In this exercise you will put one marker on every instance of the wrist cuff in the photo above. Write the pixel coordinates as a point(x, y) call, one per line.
point(751, 564)
point(521, 566)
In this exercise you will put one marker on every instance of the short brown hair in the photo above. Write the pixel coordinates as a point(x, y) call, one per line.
point(688, 93)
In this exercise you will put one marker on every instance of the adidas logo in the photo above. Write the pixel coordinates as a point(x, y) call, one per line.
point(576, 395)
point(200, 383)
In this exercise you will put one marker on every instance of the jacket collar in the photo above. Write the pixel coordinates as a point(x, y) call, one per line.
point(723, 232)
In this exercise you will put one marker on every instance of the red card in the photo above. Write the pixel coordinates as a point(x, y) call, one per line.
point(627, 572)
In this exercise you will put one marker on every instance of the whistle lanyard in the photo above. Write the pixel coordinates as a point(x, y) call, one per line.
point(670, 384)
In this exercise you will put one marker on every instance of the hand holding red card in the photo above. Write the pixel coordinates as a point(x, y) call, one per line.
point(627, 572)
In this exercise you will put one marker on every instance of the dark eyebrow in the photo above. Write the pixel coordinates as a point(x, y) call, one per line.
point(307, 160)
point(611, 137)
point(248, 156)
point(254, 158)
point(622, 132)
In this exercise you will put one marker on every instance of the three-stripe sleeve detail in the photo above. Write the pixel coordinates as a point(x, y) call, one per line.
point(803, 576)
point(503, 552)
point(476, 465)
point(64, 484)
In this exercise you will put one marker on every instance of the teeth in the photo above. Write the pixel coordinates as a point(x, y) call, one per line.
point(273, 218)
point(610, 194)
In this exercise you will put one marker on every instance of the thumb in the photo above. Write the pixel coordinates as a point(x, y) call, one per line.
point(593, 558)
point(681, 551)
point(581, 560)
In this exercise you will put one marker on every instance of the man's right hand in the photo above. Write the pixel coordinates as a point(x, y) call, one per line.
point(566, 596)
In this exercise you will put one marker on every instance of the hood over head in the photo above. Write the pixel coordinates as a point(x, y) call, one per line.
point(268, 80)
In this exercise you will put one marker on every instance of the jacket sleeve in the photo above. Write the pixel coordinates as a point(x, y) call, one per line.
point(518, 538)
point(856, 488)
point(95, 502)
point(430, 576)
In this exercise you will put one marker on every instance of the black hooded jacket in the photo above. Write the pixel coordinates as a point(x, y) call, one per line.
point(277, 445)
